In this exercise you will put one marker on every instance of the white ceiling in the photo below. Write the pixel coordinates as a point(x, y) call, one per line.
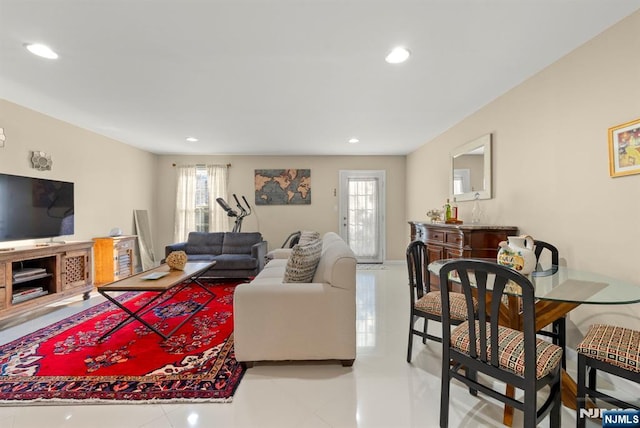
point(278, 77)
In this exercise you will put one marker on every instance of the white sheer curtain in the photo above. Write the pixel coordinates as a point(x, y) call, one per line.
point(187, 197)
point(185, 203)
point(217, 186)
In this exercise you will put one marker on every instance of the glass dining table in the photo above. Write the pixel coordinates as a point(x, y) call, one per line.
point(562, 284)
point(559, 290)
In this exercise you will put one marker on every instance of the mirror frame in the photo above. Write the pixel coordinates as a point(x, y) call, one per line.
point(485, 141)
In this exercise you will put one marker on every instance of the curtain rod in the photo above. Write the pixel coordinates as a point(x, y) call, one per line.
point(202, 164)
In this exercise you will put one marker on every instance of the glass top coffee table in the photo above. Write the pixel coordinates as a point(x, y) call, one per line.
point(158, 280)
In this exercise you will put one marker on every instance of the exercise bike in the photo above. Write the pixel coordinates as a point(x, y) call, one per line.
point(237, 227)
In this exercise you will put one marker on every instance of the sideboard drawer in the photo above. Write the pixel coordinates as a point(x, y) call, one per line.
point(435, 235)
point(454, 238)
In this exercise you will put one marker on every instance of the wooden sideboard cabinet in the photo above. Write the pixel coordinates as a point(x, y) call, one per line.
point(115, 258)
point(450, 241)
point(34, 276)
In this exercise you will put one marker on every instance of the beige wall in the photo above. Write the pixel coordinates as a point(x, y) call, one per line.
point(111, 179)
point(278, 221)
point(550, 162)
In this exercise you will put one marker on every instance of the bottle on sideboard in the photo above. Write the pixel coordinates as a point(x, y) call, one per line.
point(447, 211)
point(454, 210)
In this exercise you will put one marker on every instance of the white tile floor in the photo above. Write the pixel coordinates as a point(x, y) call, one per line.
point(380, 390)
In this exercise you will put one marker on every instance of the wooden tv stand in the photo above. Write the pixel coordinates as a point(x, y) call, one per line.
point(34, 276)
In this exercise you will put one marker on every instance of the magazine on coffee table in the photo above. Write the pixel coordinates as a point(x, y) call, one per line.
point(154, 275)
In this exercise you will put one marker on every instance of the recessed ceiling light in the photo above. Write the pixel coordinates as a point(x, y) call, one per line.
point(191, 139)
point(398, 55)
point(41, 50)
point(353, 141)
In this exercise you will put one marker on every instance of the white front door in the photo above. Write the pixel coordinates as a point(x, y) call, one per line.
point(362, 213)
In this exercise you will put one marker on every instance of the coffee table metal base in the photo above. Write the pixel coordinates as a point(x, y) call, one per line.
point(153, 303)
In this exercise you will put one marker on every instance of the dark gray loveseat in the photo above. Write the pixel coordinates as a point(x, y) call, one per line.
point(238, 255)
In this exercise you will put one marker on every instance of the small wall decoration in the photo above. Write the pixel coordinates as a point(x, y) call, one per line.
point(41, 161)
point(283, 186)
point(624, 149)
point(2, 137)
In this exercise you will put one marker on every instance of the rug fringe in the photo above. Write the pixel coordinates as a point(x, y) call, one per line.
point(90, 401)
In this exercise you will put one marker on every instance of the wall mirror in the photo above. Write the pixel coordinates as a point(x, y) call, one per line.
point(470, 176)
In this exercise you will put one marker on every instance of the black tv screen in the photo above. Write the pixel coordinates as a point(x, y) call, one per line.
point(32, 208)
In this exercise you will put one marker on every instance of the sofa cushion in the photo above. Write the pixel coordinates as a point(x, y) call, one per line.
point(273, 269)
point(235, 261)
point(277, 263)
point(279, 253)
point(240, 243)
point(201, 257)
point(303, 261)
point(204, 243)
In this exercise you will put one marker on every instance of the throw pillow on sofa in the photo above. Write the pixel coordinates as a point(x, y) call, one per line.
point(308, 236)
point(303, 261)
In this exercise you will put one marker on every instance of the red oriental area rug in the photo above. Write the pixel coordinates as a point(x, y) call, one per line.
point(65, 363)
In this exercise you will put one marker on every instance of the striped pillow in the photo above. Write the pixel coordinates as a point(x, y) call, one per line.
point(307, 236)
point(303, 261)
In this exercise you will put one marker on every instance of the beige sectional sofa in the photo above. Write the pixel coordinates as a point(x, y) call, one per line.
point(278, 321)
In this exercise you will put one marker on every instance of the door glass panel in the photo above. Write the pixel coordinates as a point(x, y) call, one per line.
point(362, 216)
point(362, 213)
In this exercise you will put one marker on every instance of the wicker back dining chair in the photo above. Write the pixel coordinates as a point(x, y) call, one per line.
point(481, 345)
point(425, 304)
point(611, 349)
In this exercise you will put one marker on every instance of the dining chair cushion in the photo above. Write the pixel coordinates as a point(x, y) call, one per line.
point(431, 303)
point(510, 349)
point(617, 346)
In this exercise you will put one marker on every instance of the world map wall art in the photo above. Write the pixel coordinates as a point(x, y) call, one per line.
point(283, 186)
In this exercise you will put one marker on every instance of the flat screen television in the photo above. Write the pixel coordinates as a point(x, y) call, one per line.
point(32, 208)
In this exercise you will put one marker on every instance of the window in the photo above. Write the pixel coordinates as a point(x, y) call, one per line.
point(196, 207)
point(202, 200)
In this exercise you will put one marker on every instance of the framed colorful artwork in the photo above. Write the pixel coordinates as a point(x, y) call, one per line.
point(624, 149)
